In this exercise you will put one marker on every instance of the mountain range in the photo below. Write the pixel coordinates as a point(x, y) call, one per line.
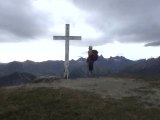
point(112, 66)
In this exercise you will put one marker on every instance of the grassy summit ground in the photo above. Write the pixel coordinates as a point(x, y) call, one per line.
point(45, 103)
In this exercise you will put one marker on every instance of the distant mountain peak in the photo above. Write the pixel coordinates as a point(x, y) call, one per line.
point(101, 56)
point(118, 58)
point(81, 59)
point(28, 61)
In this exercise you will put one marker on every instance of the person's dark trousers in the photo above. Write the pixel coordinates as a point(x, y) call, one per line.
point(90, 67)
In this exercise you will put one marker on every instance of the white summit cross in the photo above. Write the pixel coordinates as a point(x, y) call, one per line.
point(66, 38)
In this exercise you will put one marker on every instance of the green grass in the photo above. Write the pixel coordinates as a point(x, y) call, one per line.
point(66, 104)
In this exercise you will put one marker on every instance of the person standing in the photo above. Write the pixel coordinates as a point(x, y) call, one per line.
point(90, 60)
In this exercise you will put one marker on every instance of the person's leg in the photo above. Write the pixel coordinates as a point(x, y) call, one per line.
point(88, 69)
point(91, 68)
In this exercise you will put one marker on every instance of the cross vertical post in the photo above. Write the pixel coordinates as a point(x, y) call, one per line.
point(67, 37)
point(66, 64)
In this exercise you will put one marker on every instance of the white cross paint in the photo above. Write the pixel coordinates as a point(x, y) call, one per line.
point(66, 38)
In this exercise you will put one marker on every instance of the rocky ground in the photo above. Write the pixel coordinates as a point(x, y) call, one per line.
point(107, 87)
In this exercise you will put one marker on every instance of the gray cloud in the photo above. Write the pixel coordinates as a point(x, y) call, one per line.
point(135, 21)
point(153, 44)
point(19, 21)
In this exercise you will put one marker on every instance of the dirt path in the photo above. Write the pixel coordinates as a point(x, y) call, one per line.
point(113, 87)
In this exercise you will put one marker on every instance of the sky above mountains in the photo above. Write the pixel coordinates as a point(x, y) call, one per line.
point(114, 27)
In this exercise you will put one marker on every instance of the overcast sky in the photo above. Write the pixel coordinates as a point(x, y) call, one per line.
point(130, 28)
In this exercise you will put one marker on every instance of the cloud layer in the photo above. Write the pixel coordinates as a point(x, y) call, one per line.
point(133, 21)
point(20, 21)
point(125, 21)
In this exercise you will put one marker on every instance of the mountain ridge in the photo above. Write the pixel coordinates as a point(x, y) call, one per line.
point(117, 65)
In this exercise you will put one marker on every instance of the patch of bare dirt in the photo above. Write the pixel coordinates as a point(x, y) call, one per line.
point(114, 87)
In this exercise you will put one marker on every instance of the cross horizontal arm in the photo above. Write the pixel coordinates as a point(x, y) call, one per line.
point(74, 37)
point(59, 37)
point(67, 37)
